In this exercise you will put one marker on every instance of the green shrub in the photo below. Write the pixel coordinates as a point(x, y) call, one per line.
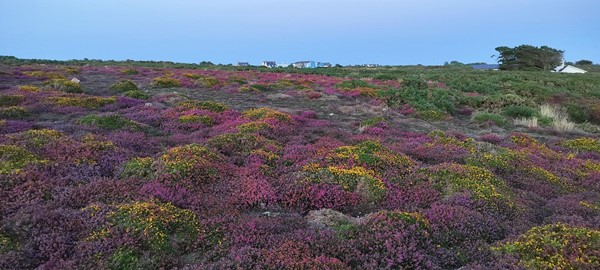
point(433, 115)
point(237, 79)
point(6, 243)
point(193, 118)
point(124, 86)
point(207, 82)
point(252, 127)
point(264, 113)
point(64, 85)
point(110, 122)
point(14, 158)
point(137, 94)
point(583, 144)
point(190, 161)
point(130, 71)
point(138, 167)
point(577, 112)
point(14, 112)
point(212, 106)
point(555, 246)
point(355, 179)
point(29, 88)
point(192, 76)
point(372, 121)
point(483, 117)
point(83, 101)
point(414, 82)
point(256, 88)
point(545, 121)
point(385, 77)
point(73, 70)
point(11, 100)
point(353, 84)
point(517, 111)
point(165, 82)
point(123, 259)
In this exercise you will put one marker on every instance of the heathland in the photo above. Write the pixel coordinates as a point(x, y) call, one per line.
point(150, 165)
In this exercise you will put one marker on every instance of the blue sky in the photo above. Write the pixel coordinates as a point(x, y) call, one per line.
point(394, 32)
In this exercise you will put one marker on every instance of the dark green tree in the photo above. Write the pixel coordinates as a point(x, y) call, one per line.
point(527, 57)
point(584, 62)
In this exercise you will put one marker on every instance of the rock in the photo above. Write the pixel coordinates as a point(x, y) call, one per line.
point(327, 218)
point(75, 80)
point(148, 104)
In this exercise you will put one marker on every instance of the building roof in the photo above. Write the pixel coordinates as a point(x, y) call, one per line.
point(569, 69)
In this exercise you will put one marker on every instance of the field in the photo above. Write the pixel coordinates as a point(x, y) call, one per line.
point(139, 166)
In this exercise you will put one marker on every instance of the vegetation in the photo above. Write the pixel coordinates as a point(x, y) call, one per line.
point(421, 167)
point(526, 57)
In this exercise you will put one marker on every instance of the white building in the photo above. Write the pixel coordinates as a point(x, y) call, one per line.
point(568, 69)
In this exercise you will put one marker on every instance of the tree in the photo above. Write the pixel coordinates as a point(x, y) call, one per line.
point(527, 57)
point(583, 62)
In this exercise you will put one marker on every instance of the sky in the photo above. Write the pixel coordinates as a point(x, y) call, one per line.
point(387, 32)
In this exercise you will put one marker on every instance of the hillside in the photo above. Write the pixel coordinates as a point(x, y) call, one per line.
point(149, 166)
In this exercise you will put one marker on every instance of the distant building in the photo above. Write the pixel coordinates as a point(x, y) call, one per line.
point(283, 65)
point(326, 65)
point(243, 64)
point(305, 64)
point(372, 65)
point(486, 67)
point(568, 69)
point(269, 64)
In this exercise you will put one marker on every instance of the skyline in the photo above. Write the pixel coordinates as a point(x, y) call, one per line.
point(386, 32)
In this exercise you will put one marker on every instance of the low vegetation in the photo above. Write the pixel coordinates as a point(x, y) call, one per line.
point(161, 166)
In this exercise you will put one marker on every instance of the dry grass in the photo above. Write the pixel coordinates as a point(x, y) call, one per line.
point(560, 118)
point(526, 122)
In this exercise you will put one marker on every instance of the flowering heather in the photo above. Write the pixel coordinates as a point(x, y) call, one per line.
point(158, 167)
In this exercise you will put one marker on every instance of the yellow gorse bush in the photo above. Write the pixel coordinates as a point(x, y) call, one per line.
point(556, 246)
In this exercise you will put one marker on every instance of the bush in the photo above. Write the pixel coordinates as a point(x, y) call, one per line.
point(29, 88)
point(449, 178)
point(556, 246)
point(517, 111)
point(353, 84)
point(190, 162)
point(130, 71)
point(14, 158)
point(165, 82)
point(208, 82)
point(14, 112)
point(137, 94)
point(483, 117)
point(64, 85)
point(83, 101)
point(110, 122)
point(11, 100)
point(193, 118)
point(138, 167)
point(124, 86)
point(583, 144)
point(159, 230)
point(212, 106)
point(265, 113)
